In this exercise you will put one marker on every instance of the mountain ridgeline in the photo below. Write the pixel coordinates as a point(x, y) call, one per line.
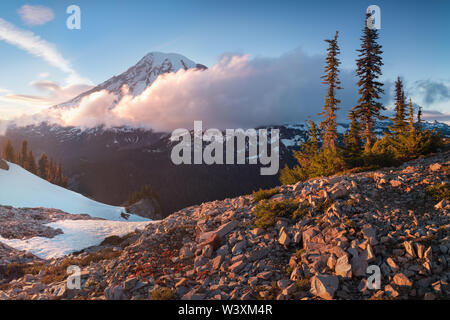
point(109, 164)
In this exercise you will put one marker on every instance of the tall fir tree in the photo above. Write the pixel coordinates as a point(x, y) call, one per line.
point(8, 153)
point(399, 123)
point(352, 140)
point(31, 163)
point(311, 147)
point(419, 119)
point(331, 78)
point(43, 166)
point(58, 178)
point(368, 70)
point(23, 155)
point(411, 117)
point(51, 171)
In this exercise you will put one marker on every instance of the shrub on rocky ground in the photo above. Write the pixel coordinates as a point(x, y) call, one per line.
point(267, 212)
point(439, 192)
point(265, 194)
point(162, 294)
point(303, 284)
point(16, 270)
point(324, 205)
point(56, 272)
point(116, 240)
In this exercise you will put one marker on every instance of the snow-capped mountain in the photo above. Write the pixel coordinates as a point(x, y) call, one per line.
point(20, 188)
point(141, 75)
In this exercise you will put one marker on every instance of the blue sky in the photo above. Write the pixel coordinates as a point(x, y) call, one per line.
point(116, 34)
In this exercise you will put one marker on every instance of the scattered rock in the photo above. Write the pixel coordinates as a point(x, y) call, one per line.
point(284, 239)
point(401, 280)
point(324, 286)
point(343, 268)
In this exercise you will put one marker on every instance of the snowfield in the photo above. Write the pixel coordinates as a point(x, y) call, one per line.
point(78, 234)
point(22, 189)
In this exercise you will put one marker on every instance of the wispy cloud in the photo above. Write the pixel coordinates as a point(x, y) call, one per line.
point(53, 93)
point(33, 44)
point(35, 15)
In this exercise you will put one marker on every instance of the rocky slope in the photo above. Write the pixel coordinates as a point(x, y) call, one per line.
point(387, 218)
point(27, 223)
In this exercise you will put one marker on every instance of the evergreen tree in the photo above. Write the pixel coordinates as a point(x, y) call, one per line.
point(352, 140)
point(51, 171)
point(414, 142)
point(292, 176)
point(31, 163)
point(399, 123)
point(8, 153)
point(64, 182)
point(368, 70)
point(419, 119)
point(411, 117)
point(312, 145)
point(58, 174)
point(331, 78)
point(146, 192)
point(59, 178)
point(43, 166)
point(23, 155)
point(308, 151)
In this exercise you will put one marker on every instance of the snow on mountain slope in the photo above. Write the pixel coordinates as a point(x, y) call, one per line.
point(20, 188)
point(141, 75)
point(78, 234)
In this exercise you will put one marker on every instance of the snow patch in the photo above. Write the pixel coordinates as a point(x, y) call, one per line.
point(78, 234)
point(21, 189)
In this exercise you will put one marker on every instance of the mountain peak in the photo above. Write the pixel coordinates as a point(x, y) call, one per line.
point(177, 61)
point(141, 75)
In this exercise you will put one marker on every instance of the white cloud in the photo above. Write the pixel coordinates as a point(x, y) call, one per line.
point(35, 15)
point(92, 111)
point(239, 91)
point(53, 93)
point(33, 44)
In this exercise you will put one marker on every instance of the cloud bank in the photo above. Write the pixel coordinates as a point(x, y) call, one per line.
point(238, 91)
point(35, 15)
